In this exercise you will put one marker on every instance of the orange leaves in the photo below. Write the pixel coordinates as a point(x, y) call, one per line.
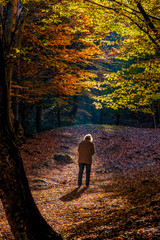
point(81, 209)
point(58, 46)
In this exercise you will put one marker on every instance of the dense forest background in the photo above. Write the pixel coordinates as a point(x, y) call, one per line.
point(70, 67)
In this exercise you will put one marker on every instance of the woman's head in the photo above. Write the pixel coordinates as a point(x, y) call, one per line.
point(88, 137)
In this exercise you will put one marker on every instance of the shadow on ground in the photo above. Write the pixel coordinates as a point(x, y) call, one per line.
point(74, 194)
point(137, 220)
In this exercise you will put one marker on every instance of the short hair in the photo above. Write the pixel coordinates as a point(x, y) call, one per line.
point(88, 137)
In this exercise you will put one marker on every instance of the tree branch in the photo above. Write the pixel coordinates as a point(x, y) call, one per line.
point(134, 10)
point(148, 21)
point(102, 6)
point(147, 33)
point(142, 12)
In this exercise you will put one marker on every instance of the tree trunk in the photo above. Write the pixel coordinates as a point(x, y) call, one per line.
point(117, 118)
point(1, 14)
point(23, 112)
point(22, 213)
point(58, 115)
point(18, 45)
point(154, 121)
point(158, 113)
point(154, 117)
point(11, 23)
point(38, 116)
point(74, 108)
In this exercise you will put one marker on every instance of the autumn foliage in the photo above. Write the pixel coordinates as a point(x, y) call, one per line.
point(56, 52)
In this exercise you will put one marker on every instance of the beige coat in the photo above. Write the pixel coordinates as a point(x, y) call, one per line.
point(86, 150)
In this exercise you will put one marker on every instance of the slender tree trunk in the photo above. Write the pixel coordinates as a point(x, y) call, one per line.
point(16, 106)
point(22, 213)
point(11, 23)
point(154, 117)
point(38, 116)
point(1, 14)
point(74, 108)
point(15, 99)
point(58, 115)
point(154, 121)
point(23, 116)
point(158, 113)
point(117, 118)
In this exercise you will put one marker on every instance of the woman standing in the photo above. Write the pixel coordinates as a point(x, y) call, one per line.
point(85, 150)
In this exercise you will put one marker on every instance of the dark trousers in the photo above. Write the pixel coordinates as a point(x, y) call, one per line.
point(80, 175)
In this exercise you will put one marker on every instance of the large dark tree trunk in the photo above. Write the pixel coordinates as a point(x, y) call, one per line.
point(22, 213)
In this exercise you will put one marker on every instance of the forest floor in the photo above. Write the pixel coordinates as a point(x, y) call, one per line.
point(123, 199)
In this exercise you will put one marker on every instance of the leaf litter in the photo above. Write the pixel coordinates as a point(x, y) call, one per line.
point(123, 199)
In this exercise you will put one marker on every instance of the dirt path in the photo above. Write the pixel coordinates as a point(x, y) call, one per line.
point(123, 199)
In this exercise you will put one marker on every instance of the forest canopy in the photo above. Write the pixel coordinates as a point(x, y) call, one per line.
point(64, 53)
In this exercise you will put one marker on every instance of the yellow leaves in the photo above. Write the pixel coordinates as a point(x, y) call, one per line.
point(134, 88)
point(82, 209)
point(98, 105)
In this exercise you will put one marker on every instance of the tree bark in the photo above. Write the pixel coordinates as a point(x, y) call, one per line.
point(74, 108)
point(22, 213)
point(38, 116)
point(154, 117)
point(148, 21)
point(23, 113)
point(12, 15)
point(18, 45)
point(58, 115)
point(150, 25)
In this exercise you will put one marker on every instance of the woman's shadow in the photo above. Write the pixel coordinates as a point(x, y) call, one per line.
point(75, 193)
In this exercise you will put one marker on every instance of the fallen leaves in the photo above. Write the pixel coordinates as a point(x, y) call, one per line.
point(123, 200)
